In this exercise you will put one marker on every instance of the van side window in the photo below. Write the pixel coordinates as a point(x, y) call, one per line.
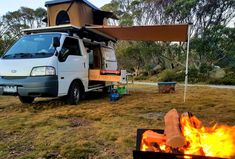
point(70, 47)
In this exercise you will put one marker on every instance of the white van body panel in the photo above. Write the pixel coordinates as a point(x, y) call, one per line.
point(23, 67)
point(85, 78)
point(75, 67)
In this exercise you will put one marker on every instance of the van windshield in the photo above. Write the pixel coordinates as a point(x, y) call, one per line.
point(32, 46)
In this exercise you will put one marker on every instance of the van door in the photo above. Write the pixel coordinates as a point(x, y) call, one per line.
point(109, 58)
point(73, 64)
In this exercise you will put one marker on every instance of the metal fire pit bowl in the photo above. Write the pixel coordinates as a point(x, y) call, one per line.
point(137, 154)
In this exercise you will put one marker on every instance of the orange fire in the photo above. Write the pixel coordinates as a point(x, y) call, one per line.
point(150, 138)
point(215, 141)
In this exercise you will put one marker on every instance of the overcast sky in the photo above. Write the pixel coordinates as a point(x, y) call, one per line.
point(13, 5)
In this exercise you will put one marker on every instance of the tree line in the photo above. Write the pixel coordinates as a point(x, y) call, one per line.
point(12, 23)
point(212, 43)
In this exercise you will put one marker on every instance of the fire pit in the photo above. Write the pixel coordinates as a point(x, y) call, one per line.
point(185, 137)
point(138, 154)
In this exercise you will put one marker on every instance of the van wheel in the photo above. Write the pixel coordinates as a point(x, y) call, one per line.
point(73, 96)
point(26, 100)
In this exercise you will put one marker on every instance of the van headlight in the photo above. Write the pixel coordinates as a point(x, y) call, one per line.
point(43, 71)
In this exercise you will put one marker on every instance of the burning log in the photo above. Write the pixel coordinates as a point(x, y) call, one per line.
point(174, 137)
point(151, 141)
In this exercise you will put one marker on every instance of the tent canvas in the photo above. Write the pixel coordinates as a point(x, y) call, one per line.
point(177, 32)
point(75, 12)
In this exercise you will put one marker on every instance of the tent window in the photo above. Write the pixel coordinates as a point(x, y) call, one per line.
point(62, 18)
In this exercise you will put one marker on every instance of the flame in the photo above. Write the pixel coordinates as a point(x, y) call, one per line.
point(152, 141)
point(216, 141)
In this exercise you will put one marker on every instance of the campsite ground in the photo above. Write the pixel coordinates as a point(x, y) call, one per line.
point(97, 128)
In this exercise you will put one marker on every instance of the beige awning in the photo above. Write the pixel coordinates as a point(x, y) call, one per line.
point(176, 32)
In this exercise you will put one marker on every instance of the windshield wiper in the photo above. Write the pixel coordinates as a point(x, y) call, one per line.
point(45, 54)
point(17, 55)
point(23, 55)
point(41, 53)
point(7, 56)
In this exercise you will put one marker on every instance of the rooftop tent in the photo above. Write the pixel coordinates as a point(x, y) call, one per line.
point(75, 12)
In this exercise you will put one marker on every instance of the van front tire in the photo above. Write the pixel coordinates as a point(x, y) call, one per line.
point(26, 100)
point(73, 96)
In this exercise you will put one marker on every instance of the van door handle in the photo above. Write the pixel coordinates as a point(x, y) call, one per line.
point(84, 65)
point(106, 65)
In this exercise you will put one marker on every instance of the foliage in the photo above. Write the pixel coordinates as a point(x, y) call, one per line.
point(167, 75)
point(215, 47)
point(12, 23)
point(229, 79)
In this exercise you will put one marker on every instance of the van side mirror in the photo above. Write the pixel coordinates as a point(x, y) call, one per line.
point(56, 42)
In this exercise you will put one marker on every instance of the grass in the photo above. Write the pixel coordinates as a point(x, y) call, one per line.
point(96, 128)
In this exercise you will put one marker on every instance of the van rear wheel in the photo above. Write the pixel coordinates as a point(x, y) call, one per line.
point(73, 96)
point(26, 100)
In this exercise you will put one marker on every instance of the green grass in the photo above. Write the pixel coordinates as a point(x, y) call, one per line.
point(97, 128)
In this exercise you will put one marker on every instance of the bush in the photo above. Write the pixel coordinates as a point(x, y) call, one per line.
point(140, 78)
point(194, 76)
point(180, 76)
point(229, 79)
point(167, 75)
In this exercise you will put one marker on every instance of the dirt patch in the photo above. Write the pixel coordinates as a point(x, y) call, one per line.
point(77, 122)
point(3, 135)
point(153, 115)
point(52, 155)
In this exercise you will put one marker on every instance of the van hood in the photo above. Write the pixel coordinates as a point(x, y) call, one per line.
point(21, 67)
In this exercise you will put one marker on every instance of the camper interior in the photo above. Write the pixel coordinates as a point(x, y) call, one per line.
point(95, 56)
point(95, 62)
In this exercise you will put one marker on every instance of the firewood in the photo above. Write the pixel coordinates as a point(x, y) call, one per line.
point(153, 140)
point(153, 137)
point(174, 137)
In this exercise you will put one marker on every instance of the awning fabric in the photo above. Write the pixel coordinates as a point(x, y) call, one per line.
point(176, 32)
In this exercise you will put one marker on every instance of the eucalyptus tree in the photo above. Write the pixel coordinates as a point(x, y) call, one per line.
point(12, 23)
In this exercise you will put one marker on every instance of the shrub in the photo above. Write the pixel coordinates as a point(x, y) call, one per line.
point(194, 76)
point(180, 76)
point(140, 78)
point(167, 75)
point(229, 79)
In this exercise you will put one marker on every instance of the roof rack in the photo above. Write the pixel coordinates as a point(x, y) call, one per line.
point(82, 32)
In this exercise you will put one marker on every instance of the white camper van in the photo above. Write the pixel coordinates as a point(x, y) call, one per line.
point(55, 62)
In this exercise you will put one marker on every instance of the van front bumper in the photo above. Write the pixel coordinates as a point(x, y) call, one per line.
point(43, 86)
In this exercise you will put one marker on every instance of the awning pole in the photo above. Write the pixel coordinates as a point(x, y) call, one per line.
point(187, 63)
